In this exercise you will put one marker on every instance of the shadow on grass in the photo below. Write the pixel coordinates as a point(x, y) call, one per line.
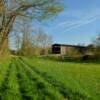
point(71, 60)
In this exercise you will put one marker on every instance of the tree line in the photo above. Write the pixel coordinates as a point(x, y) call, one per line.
point(31, 41)
point(12, 12)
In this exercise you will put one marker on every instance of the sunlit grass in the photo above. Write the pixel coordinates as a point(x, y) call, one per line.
point(81, 77)
point(45, 79)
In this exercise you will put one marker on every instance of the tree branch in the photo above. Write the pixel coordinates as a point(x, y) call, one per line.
point(24, 7)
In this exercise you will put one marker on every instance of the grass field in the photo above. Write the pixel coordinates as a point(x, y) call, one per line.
point(45, 79)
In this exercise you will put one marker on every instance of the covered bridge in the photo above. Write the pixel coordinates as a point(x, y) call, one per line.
point(63, 48)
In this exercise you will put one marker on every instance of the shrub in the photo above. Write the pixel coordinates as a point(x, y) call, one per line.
point(73, 53)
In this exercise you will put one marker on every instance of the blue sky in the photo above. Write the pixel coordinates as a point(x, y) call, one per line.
point(79, 23)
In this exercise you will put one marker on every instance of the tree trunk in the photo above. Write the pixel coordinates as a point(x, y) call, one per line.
point(4, 51)
point(4, 36)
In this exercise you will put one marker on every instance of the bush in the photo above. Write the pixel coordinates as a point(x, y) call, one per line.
point(74, 53)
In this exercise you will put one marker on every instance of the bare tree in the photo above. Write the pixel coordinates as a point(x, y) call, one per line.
point(17, 42)
point(26, 46)
point(96, 44)
point(42, 40)
point(10, 10)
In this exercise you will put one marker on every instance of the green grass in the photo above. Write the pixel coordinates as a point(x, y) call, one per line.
point(45, 79)
point(83, 78)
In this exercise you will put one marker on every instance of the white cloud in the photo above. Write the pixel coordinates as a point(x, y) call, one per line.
point(83, 18)
point(82, 23)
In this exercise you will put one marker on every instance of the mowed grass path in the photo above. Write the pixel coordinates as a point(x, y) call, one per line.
point(44, 79)
point(80, 78)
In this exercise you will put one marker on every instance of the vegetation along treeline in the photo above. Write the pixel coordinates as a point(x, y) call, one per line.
point(13, 12)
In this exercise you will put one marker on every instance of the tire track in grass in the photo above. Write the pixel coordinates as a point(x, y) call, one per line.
point(3, 86)
point(65, 91)
point(3, 72)
point(10, 88)
point(44, 90)
point(24, 83)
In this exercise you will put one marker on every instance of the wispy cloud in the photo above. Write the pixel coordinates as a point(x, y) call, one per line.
point(80, 21)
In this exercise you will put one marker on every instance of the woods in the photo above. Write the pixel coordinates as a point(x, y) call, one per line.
point(12, 11)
